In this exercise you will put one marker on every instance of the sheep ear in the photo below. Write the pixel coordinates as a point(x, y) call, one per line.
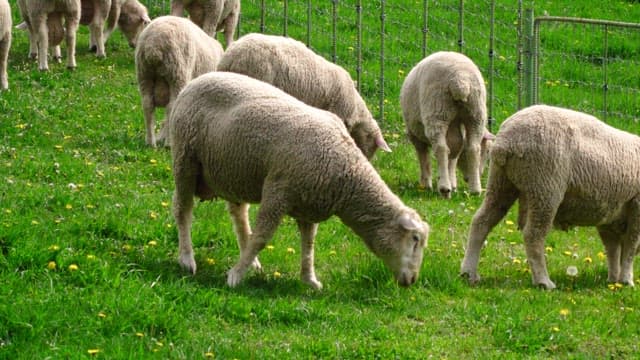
point(22, 26)
point(146, 19)
point(381, 144)
point(408, 223)
point(488, 136)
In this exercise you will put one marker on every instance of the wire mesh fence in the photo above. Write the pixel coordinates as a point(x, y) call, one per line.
point(379, 42)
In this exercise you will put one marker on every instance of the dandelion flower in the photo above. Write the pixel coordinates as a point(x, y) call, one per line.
point(564, 312)
point(54, 248)
point(291, 250)
point(601, 255)
point(68, 206)
point(152, 243)
point(73, 267)
point(211, 261)
point(333, 253)
point(139, 334)
point(270, 247)
point(153, 215)
point(102, 315)
point(509, 222)
point(555, 329)
point(126, 247)
point(568, 253)
point(588, 260)
point(548, 249)
point(209, 355)
point(93, 351)
point(153, 161)
point(51, 265)
point(165, 204)
point(91, 257)
point(572, 271)
point(517, 261)
point(276, 274)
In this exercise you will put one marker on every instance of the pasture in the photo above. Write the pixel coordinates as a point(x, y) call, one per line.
point(88, 244)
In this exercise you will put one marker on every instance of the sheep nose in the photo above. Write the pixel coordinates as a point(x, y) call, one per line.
point(408, 279)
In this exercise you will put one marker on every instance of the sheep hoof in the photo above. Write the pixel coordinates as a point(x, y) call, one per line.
point(188, 263)
point(234, 276)
point(546, 285)
point(93, 48)
point(446, 193)
point(472, 278)
point(314, 283)
point(256, 265)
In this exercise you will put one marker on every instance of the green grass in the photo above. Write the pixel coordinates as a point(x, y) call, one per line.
point(80, 190)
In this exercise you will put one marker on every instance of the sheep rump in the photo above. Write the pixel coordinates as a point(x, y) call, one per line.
point(565, 168)
point(211, 15)
point(245, 141)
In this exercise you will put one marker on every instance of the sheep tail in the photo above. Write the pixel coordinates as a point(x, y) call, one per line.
point(460, 89)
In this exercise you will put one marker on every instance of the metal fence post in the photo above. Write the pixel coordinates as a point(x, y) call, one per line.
point(359, 45)
point(519, 67)
point(461, 26)
point(262, 15)
point(382, 30)
point(334, 30)
point(527, 93)
point(492, 10)
point(285, 14)
point(605, 85)
point(425, 26)
point(309, 12)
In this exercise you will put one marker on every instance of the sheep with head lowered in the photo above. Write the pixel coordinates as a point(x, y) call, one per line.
point(5, 42)
point(246, 141)
point(292, 67)
point(443, 100)
point(48, 21)
point(171, 51)
point(211, 15)
point(565, 168)
point(132, 15)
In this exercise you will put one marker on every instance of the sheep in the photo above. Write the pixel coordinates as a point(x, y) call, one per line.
point(565, 168)
point(95, 13)
point(443, 101)
point(248, 142)
point(5, 42)
point(40, 15)
point(211, 15)
point(289, 65)
point(55, 31)
point(170, 52)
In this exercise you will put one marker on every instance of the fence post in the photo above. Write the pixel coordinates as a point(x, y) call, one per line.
point(605, 85)
point(425, 27)
point(519, 67)
point(382, 30)
point(359, 45)
point(491, 64)
point(527, 93)
point(461, 26)
point(334, 30)
point(309, 23)
point(262, 10)
point(286, 17)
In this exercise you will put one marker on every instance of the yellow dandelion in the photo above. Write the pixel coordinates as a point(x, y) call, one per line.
point(517, 261)
point(291, 250)
point(555, 329)
point(67, 137)
point(51, 265)
point(211, 261)
point(100, 173)
point(509, 231)
point(588, 260)
point(270, 247)
point(611, 287)
point(158, 343)
point(413, 298)
point(153, 215)
point(152, 243)
point(509, 222)
point(93, 351)
point(165, 204)
point(68, 206)
point(58, 147)
point(91, 257)
point(209, 355)
point(502, 58)
point(90, 206)
point(568, 253)
point(54, 248)
point(127, 247)
point(73, 267)
point(35, 222)
point(333, 253)
point(548, 249)
point(102, 315)
point(21, 126)
point(139, 334)
point(153, 161)
point(564, 312)
point(601, 255)
point(618, 285)
point(350, 48)
point(276, 274)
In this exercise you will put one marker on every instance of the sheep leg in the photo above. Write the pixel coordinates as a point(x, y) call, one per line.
point(230, 27)
point(112, 20)
point(177, 8)
point(453, 177)
point(97, 41)
point(4, 54)
point(308, 233)
point(630, 243)
point(212, 12)
point(473, 148)
point(267, 220)
point(501, 194)
point(148, 108)
point(422, 151)
point(240, 217)
point(441, 151)
point(540, 214)
point(42, 39)
point(72, 23)
point(185, 174)
point(612, 241)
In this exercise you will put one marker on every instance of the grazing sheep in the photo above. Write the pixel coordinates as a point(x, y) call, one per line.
point(566, 169)
point(48, 21)
point(5, 42)
point(211, 15)
point(96, 12)
point(246, 141)
point(292, 67)
point(170, 52)
point(443, 102)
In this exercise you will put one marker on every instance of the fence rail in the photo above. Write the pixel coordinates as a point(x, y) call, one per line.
point(380, 41)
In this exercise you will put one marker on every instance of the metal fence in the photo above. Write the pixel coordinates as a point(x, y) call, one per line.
point(380, 41)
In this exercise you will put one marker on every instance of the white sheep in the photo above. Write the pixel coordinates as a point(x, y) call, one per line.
point(47, 22)
point(443, 100)
point(292, 67)
point(5, 42)
point(97, 13)
point(171, 51)
point(565, 168)
point(211, 15)
point(246, 141)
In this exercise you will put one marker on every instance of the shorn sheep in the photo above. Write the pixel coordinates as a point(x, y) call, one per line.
point(170, 52)
point(443, 100)
point(211, 15)
point(246, 141)
point(5, 42)
point(292, 67)
point(45, 20)
point(565, 168)
point(131, 14)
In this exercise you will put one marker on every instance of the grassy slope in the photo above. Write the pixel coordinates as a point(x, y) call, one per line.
point(79, 187)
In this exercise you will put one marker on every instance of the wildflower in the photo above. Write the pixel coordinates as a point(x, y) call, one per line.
point(601, 255)
point(588, 260)
point(509, 222)
point(164, 204)
point(333, 253)
point(153, 215)
point(73, 267)
point(548, 249)
point(126, 247)
point(209, 355)
point(58, 147)
point(54, 248)
point(564, 312)
point(572, 271)
point(502, 58)
point(270, 247)
point(568, 253)
point(152, 243)
point(68, 206)
point(153, 161)
point(139, 334)
point(93, 351)
point(276, 274)
point(400, 72)
point(72, 186)
point(291, 250)
point(51, 265)
point(517, 261)
point(555, 329)
point(211, 261)
point(450, 212)
point(91, 257)
point(102, 315)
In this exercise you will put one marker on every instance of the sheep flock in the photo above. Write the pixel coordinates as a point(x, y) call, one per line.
point(265, 120)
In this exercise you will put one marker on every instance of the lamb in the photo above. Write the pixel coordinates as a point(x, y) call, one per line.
point(443, 102)
point(211, 15)
point(170, 52)
point(289, 65)
point(247, 142)
point(95, 13)
point(5, 42)
point(43, 16)
point(565, 168)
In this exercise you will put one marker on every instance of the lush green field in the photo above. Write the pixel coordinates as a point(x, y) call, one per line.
point(88, 245)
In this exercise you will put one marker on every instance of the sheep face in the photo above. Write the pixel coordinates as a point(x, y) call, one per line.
point(133, 19)
point(402, 246)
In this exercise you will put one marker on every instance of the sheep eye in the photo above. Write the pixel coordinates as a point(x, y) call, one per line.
point(416, 238)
